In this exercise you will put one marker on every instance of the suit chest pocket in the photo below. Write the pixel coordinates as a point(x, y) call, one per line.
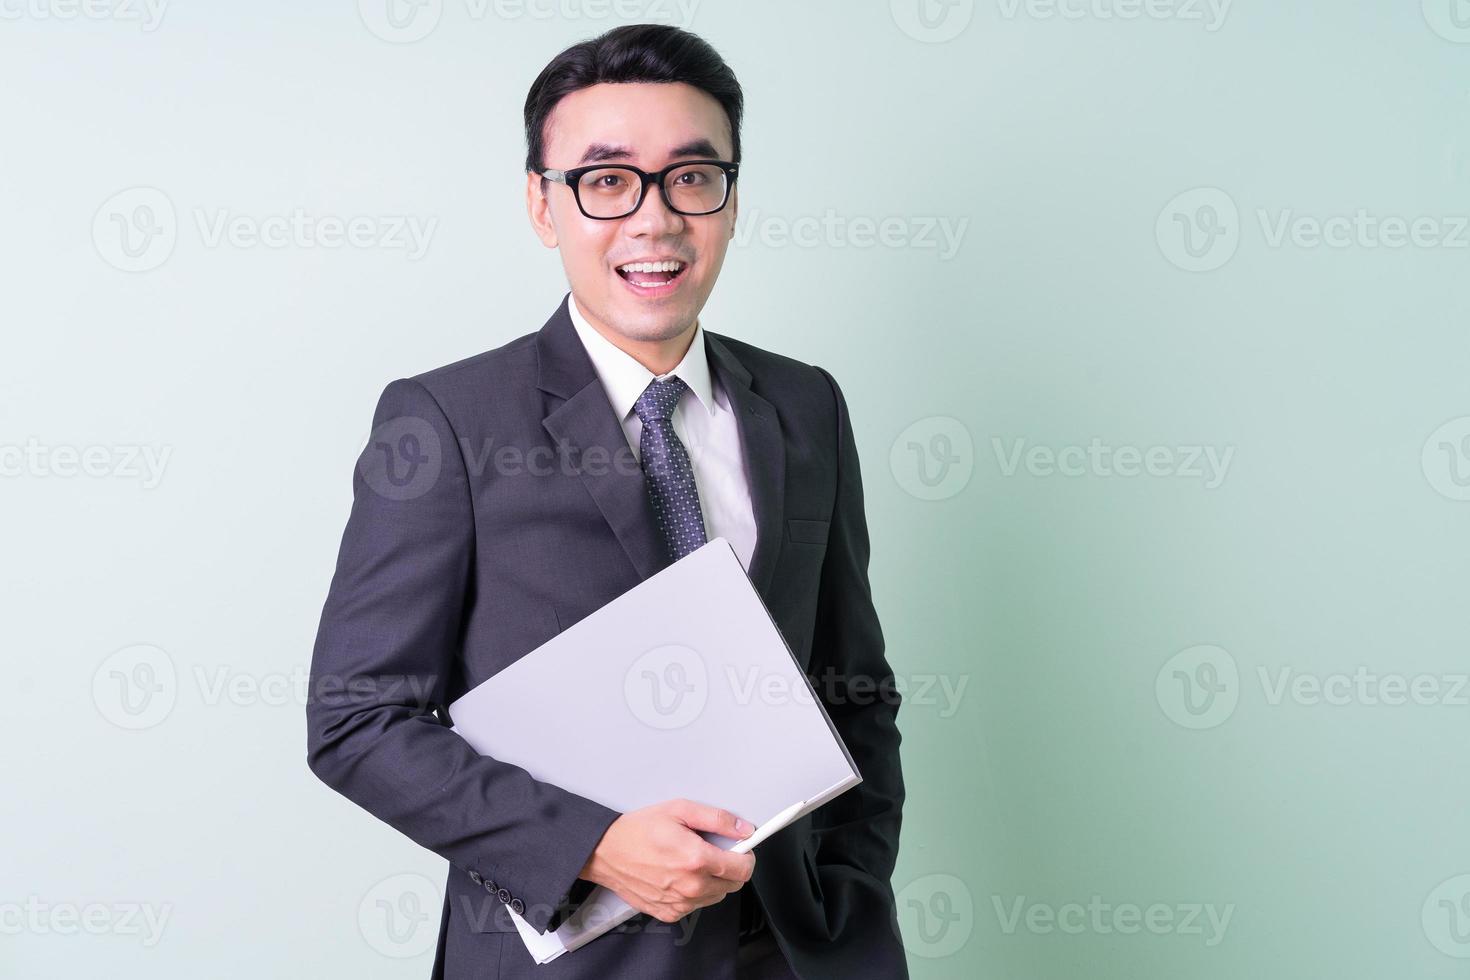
point(801, 531)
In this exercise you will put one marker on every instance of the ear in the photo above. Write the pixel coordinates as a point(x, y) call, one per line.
point(538, 209)
point(734, 208)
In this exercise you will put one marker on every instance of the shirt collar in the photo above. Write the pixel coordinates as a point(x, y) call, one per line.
point(624, 379)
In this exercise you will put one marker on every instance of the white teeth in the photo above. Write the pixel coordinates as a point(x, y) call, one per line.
point(672, 265)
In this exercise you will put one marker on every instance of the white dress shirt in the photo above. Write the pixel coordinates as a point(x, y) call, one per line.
point(703, 421)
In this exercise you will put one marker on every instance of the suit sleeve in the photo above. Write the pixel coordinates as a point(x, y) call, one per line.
point(386, 649)
point(858, 830)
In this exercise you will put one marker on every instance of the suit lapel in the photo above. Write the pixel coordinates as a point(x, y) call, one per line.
point(583, 419)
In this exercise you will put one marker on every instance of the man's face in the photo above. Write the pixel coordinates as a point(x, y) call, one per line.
point(647, 125)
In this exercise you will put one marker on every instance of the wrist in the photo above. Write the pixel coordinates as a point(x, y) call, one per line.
point(595, 865)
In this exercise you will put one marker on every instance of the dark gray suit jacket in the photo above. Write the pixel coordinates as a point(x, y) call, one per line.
point(498, 503)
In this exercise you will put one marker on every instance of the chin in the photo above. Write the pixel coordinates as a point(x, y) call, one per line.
point(655, 324)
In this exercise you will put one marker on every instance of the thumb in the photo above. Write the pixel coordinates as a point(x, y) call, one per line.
point(701, 816)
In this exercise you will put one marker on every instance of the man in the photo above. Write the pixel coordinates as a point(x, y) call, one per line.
point(504, 497)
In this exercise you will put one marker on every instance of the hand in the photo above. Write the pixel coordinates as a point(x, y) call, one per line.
point(653, 859)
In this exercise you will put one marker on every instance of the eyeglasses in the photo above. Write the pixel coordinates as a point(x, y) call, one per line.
point(691, 187)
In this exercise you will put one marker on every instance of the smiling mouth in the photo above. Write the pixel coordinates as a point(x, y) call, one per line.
point(653, 278)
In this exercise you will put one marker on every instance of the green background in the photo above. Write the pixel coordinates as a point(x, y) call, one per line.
point(1081, 154)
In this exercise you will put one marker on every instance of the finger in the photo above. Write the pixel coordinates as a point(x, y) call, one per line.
point(723, 864)
point(701, 816)
point(727, 886)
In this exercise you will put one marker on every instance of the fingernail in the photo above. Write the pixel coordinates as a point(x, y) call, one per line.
point(743, 826)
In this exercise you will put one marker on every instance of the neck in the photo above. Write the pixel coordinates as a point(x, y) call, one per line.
point(658, 356)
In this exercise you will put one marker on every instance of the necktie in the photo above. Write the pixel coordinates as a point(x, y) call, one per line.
point(666, 465)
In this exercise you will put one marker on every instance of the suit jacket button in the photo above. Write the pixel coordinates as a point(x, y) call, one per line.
point(490, 885)
point(517, 906)
point(503, 895)
point(475, 877)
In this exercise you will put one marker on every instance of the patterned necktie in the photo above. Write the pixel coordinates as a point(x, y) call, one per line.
point(670, 477)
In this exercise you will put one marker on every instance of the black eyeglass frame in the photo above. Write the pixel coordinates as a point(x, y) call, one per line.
point(572, 178)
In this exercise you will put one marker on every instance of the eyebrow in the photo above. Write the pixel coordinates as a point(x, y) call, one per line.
point(598, 152)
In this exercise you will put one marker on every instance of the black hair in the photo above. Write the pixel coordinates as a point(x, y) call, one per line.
point(631, 53)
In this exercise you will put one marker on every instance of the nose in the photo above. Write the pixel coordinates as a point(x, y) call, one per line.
point(653, 217)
